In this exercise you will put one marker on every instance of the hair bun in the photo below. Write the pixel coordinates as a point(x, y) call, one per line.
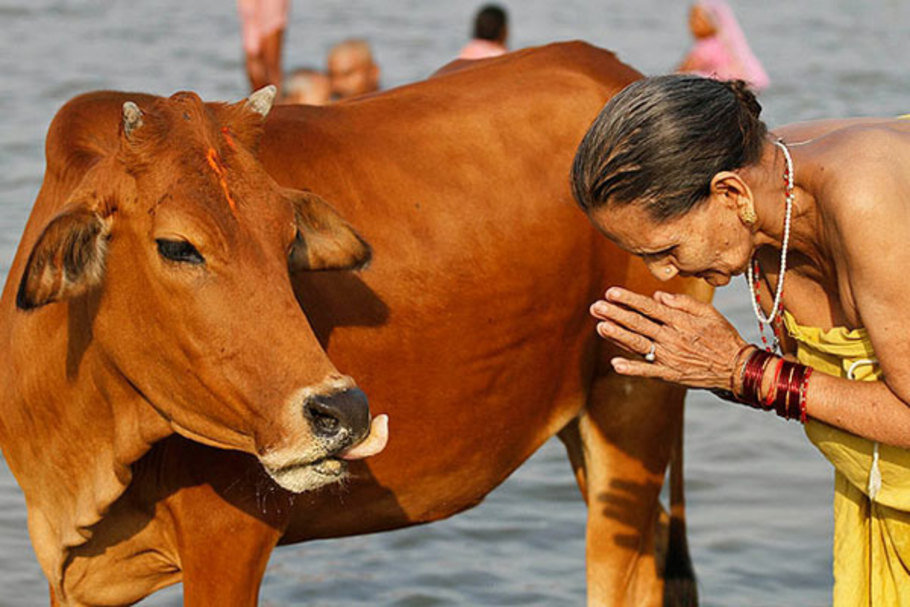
point(750, 125)
point(744, 96)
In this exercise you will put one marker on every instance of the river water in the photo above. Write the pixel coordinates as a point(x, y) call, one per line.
point(759, 496)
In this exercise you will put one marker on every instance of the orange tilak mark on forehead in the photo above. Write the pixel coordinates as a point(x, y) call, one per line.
point(212, 157)
point(226, 131)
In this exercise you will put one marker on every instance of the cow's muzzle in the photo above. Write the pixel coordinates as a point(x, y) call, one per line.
point(341, 425)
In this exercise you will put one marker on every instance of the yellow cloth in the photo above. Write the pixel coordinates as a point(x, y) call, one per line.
point(871, 535)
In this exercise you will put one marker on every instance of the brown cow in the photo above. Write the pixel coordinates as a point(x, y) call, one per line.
point(146, 299)
point(470, 330)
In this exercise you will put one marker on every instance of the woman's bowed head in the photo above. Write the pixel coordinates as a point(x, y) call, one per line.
point(671, 171)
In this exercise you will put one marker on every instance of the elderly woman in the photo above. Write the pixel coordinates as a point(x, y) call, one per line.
point(680, 171)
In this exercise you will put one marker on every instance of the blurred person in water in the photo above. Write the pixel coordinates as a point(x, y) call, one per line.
point(262, 24)
point(307, 86)
point(720, 49)
point(351, 69)
point(491, 30)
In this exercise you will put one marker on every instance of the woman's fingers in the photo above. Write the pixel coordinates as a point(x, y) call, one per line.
point(644, 305)
point(633, 342)
point(638, 368)
point(626, 317)
point(683, 303)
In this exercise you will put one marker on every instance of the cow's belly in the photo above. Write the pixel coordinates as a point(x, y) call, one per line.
point(473, 382)
point(434, 467)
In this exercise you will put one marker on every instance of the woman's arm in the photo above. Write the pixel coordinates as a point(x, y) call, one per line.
point(868, 211)
point(865, 408)
point(696, 347)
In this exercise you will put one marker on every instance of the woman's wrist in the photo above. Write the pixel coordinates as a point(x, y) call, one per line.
point(738, 368)
point(768, 382)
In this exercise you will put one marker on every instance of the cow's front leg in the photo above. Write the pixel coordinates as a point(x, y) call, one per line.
point(223, 549)
point(620, 447)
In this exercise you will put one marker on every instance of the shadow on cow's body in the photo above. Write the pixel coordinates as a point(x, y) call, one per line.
point(469, 329)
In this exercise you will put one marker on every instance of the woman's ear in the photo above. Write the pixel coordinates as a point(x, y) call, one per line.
point(736, 194)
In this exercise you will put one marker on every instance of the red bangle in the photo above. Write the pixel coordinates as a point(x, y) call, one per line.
point(799, 372)
point(774, 388)
point(787, 391)
point(752, 376)
point(790, 388)
point(742, 368)
point(803, 414)
point(784, 393)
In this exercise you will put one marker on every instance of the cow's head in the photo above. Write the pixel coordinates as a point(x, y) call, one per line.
point(182, 247)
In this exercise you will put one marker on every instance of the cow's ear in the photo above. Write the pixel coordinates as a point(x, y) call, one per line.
point(67, 259)
point(324, 240)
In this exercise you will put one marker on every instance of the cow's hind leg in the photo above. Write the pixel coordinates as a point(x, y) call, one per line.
point(620, 446)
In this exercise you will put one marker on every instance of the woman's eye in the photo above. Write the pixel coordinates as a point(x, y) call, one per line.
point(179, 251)
point(657, 254)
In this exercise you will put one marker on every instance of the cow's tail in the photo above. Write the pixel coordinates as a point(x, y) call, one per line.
point(680, 588)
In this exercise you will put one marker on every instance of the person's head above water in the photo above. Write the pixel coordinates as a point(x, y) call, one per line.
point(351, 69)
point(491, 23)
point(307, 86)
point(702, 23)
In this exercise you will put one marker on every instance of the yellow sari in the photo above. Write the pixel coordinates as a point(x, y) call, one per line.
point(871, 483)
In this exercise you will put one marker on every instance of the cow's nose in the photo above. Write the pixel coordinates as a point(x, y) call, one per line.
point(343, 417)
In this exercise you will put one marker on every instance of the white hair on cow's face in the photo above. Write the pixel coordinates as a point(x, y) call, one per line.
point(309, 477)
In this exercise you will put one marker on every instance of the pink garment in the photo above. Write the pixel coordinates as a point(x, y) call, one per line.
point(259, 18)
point(478, 48)
point(726, 55)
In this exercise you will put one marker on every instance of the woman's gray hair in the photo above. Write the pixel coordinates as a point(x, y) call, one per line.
point(661, 140)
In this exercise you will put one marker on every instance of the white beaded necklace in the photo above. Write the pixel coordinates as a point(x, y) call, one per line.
point(776, 304)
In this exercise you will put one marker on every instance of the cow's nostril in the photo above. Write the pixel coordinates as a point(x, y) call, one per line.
point(343, 416)
point(323, 419)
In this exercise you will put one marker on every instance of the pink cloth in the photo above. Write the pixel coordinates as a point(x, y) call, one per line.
point(259, 18)
point(726, 55)
point(478, 48)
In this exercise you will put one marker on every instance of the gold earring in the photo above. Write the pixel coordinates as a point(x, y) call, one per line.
point(747, 215)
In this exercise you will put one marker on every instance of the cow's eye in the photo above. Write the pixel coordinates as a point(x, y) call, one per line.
point(179, 250)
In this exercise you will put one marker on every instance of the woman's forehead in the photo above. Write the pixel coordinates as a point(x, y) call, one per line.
point(632, 227)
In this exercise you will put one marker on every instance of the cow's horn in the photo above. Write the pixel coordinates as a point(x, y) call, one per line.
point(132, 117)
point(261, 101)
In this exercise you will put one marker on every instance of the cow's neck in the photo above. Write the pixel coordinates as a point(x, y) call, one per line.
point(85, 466)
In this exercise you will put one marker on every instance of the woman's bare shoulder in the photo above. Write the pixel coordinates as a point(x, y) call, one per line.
point(813, 129)
point(861, 169)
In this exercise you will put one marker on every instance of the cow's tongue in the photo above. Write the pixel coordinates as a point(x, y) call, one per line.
point(373, 443)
